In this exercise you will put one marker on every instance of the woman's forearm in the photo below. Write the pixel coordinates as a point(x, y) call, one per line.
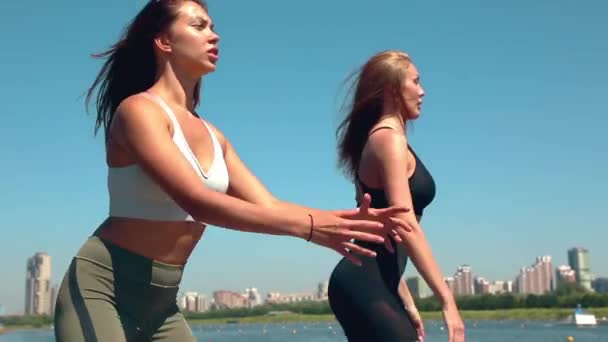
point(229, 212)
point(406, 295)
point(420, 253)
point(296, 208)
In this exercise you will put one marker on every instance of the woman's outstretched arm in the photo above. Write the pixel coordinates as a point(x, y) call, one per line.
point(143, 130)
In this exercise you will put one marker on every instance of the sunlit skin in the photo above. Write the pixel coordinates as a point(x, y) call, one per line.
point(387, 163)
point(190, 50)
point(184, 53)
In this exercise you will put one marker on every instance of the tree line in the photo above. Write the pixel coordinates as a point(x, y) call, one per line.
point(566, 296)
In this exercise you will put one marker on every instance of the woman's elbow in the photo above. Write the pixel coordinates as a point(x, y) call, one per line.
point(413, 235)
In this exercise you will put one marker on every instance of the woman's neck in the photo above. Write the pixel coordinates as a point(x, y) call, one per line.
point(175, 87)
point(393, 119)
point(391, 115)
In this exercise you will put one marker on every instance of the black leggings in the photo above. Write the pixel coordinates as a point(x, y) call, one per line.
point(365, 298)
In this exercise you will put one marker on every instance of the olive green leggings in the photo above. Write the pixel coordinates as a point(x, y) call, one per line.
point(110, 294)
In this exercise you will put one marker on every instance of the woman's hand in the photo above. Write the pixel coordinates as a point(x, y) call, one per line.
point(453, 322)
point(393, 226)
point(335, 232)
point(412, 311)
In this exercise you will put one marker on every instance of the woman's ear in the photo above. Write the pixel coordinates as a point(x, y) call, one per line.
point(162, 42)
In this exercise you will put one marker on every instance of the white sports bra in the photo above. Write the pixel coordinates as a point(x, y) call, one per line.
point(134, 194)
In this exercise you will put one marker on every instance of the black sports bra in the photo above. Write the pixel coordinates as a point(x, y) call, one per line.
point(422, 188)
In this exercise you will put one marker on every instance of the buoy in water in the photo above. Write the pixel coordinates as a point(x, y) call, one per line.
point(570, 339)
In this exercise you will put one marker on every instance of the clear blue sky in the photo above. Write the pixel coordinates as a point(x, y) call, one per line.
point(513, 128)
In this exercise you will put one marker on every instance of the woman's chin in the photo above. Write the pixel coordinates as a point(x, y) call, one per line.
point(414, 115)
point(207, 68)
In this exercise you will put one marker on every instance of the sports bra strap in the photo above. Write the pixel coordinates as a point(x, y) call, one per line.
point(165, 107)
point(379, 128)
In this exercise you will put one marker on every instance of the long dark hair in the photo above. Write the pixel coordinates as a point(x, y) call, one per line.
point(130, 65)
point(383, 72)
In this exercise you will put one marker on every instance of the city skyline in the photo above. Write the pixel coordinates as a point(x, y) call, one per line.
point(512, 129)
point(193, 301)
point(463, 282)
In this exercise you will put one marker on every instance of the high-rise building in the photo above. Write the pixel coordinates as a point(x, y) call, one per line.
point(563, 275)
point(182, 302)
point(537, 278)
point(449, 281)
point(54, 291)
point(254, 297)
point(193, 302)
point(544, 267)
point(203, 304)
point(601, 285)
point(578, 258)
point(481, 286)
point(418, 287)
point(38, 298)
point(229, 300)
point(463, 281)
point(499, 286)
point(276, 297)
point(323, 290)
point(522, 282)
point(189, 301)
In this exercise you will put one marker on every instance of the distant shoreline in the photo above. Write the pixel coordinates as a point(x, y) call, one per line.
point(554, 314)
point(11, 328)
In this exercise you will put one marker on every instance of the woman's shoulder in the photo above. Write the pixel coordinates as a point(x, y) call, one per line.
point(136, 113)
point(387, 141)
point(136, 103)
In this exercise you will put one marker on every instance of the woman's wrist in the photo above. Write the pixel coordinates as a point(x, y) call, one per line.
point(408, 304)
point(448, 303)
point(304, 227)
point(311, 228)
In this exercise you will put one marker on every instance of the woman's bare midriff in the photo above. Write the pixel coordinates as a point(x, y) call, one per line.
point(167, 242)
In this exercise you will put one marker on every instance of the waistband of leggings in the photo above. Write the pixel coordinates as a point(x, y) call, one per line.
point(126, 264)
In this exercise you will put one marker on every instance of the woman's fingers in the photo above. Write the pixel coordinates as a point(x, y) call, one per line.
point(366, 201)
point(391, 211)
point(347, 255)
point(388, 245)
point(396, 236)
point(361, 236)
point(359, 250)
point(400, 223)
